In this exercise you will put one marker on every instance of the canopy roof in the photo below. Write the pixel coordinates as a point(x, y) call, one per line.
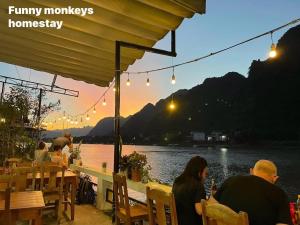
point(84, 49)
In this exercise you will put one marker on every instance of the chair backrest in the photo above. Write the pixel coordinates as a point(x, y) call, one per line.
point(5, 212)
point(158, 201)
point(21, 178)
point(5, 181)
point(121, 194)
point(218, 214)
point(48, 176)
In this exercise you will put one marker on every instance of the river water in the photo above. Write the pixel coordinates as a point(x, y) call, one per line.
point(168, 162)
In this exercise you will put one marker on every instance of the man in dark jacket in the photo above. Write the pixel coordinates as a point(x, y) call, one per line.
point(257, 194)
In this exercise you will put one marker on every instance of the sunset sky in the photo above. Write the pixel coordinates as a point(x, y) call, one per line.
point(225, 23)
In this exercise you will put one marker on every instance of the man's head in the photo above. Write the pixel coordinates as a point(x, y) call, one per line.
point(265, 169)
point(57, 148)
point(67, 135)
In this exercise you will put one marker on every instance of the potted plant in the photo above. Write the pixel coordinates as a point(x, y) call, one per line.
point(104, 165)
point(137, 163)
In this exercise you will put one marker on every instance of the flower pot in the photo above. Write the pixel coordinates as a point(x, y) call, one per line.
point(136, 175)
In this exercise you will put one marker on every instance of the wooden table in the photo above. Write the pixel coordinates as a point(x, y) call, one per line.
point(26, 205)
point(70, 178)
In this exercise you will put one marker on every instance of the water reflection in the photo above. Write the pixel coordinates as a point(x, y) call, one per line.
point(224, 161)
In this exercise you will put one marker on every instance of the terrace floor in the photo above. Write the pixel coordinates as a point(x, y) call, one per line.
point(84, 215)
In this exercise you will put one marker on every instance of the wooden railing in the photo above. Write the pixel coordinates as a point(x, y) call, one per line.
point(104, 182)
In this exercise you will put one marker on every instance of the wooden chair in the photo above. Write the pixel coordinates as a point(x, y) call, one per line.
point(5, 190)
point(125, 212)
point(52, 190)
point(5, 182)
point(12, 162)
point(157, 201)
point(5, 212)
point(218, 214)
point(20, 178)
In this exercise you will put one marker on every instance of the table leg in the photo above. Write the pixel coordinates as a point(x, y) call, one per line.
point(73, 195)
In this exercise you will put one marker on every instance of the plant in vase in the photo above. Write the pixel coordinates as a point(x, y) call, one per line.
point(137, 164)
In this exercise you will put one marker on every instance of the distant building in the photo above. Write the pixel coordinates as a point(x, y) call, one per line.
point(217, 136)
point(198, 136)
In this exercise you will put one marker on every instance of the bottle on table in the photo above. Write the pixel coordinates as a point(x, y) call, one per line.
point(213, 188)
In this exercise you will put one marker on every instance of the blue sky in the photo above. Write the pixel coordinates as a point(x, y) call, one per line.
point(225, 23)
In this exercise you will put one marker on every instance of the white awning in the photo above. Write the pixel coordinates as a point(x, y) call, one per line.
point(84, 49)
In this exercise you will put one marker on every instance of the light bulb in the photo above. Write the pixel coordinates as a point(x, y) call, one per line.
point(76, 122)
point(68, 119)
point(128, 82)
point(94, 111)
point(273, 53)
point(104, 102)
point(148, 82)
point(64, 116)
point(81, 120)
point(173, 81)
point(172, 105)
point(87, 117)
point(59, 118)
point(114, 89)
point(72, 121)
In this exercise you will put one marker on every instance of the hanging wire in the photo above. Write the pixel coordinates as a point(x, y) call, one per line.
point(221, 50)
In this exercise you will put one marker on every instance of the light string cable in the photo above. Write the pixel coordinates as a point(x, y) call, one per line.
point(219, 51)
point(92, 106)
point(190, 61)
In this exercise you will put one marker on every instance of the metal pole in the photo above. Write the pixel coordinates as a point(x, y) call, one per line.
point(117, 108)
point(2, 92)
point(117, 116)
point(39, 113)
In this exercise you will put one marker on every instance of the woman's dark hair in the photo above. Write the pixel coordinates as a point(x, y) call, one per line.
point(42, 145)
point(195, 166)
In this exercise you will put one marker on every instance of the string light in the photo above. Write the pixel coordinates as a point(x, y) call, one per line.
point(173, 80)
point(87, 117)
point(104, 102)
point(272, 53)
point(128, 81)
point(94, 110)
point(64, 116)
point(172, 105)
point(148, 81)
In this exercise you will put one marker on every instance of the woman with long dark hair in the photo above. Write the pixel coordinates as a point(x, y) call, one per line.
point(188, 190)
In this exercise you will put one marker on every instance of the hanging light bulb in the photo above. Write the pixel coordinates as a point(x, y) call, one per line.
point(76, 122)
point(172, 105)
point(104, 102)
point(94, 111)
point(128, 81)
point(59, 118)
point(148, 81)
point(173, 80)
point(64, 116)
point(72, 122)
point(87, 117)
point(68, 120)
point(114, 88)
point(81, 120)
point(272, 53)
